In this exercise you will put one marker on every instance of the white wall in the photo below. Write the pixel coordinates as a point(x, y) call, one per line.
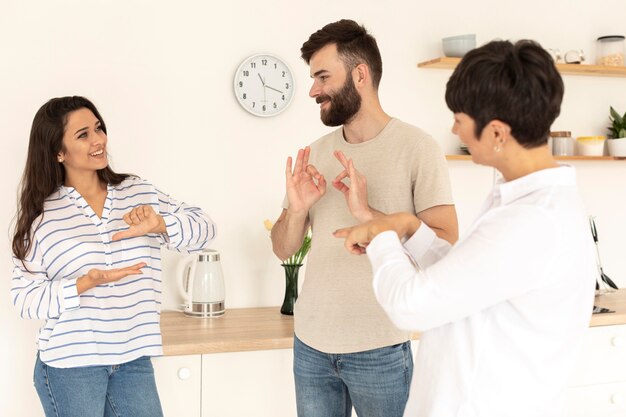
point(161, 74)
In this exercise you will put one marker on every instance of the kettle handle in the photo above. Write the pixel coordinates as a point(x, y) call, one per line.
point(183, 271)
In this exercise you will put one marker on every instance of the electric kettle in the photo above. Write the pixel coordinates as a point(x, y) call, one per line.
point(201, 284)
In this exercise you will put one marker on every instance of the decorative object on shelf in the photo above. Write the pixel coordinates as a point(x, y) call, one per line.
point(292, 268)
point(575, 56)
point(610, 51)
point(264, 85)
point(458, 46)
point(590, 145)
point(617, 133)
point(562, 143)
point(607, 283)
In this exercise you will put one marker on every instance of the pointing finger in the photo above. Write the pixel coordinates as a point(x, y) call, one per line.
point(343, 232)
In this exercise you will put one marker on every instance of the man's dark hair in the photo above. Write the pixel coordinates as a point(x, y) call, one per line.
point(354, 45)
point(517, 84)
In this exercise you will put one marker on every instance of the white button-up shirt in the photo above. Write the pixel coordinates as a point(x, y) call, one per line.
point(503, 311)
point(110, 323)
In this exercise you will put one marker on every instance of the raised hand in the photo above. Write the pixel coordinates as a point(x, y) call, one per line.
point(305, 185)
point(142, 220)
point(97, 277)
point(356, 192)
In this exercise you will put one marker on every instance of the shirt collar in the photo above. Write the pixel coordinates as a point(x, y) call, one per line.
point(564, 175)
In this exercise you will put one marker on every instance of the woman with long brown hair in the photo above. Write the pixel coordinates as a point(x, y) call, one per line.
point(87, 261)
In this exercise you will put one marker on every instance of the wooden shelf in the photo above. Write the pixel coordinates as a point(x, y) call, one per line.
point(569, 69)
point(558, 158)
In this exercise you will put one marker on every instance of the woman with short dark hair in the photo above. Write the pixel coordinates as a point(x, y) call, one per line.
point(504, 310)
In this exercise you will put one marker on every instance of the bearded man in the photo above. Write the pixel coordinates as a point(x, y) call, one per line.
point(346, 350)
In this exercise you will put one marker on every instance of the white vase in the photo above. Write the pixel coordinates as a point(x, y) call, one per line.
point(617, 147)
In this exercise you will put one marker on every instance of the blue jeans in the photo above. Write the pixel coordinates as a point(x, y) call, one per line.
point(126, 390)
point(376, 382)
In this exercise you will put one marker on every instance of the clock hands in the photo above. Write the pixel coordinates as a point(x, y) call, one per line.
point(272, 88)
point(267, 86)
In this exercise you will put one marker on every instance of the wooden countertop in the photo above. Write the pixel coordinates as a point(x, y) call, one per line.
point(264, 328)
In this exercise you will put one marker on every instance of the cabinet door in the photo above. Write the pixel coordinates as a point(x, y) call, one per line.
point(601, 400)
point(258, 383)
point(603, 358)
point(178, 380)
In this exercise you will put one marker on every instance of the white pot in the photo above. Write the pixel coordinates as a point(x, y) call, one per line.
point(617, 147)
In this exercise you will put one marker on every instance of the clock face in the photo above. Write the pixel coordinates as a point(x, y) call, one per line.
point(264, 85)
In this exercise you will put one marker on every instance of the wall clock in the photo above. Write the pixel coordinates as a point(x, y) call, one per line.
point(264, 85)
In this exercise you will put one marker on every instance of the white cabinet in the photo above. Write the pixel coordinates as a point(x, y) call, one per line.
point(178, 381)
point(598, 387)
point(258, 383)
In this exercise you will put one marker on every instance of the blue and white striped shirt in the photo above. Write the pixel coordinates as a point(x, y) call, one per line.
point(112, 323)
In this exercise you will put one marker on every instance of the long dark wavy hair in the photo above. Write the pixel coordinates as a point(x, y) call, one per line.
point(43, 174)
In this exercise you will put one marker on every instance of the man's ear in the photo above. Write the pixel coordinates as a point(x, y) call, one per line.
point(362, 74)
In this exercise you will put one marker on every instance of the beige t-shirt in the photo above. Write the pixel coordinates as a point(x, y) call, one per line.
point(336, 311)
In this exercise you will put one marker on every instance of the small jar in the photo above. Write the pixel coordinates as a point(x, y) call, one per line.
point(562, 143)
point(610, 51)
point(590, 145)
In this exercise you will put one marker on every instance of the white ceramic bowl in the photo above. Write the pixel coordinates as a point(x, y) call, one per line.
point(458, 46)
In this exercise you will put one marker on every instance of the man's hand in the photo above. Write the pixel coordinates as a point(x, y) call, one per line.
point(97, 277)
point(358, 237)
point(305, 185)
point(142, 220)
point(356, 193)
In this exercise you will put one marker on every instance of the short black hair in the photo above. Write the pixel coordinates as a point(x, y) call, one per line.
point(517, 84)
point(354, 45)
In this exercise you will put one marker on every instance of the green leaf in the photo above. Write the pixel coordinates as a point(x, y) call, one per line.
point(615, 117)
point(622, 133)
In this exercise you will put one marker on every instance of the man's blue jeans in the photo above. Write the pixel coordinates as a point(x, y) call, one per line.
point(127, 390)
point(376, 382)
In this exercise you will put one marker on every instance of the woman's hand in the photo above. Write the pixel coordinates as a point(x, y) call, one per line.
point(142, 220)
point(97, 277)
point(358, 237)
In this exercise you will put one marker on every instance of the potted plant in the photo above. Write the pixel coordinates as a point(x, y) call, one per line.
point(617, 133)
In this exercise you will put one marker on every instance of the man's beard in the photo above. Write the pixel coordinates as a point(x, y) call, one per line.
point(343, 105)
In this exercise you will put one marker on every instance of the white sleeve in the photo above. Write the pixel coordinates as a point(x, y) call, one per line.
point(35, 295)
point(426, 247)
point(188, 229)
point(505, 255)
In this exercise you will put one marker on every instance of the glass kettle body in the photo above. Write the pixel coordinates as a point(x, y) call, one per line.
point(201, 284)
